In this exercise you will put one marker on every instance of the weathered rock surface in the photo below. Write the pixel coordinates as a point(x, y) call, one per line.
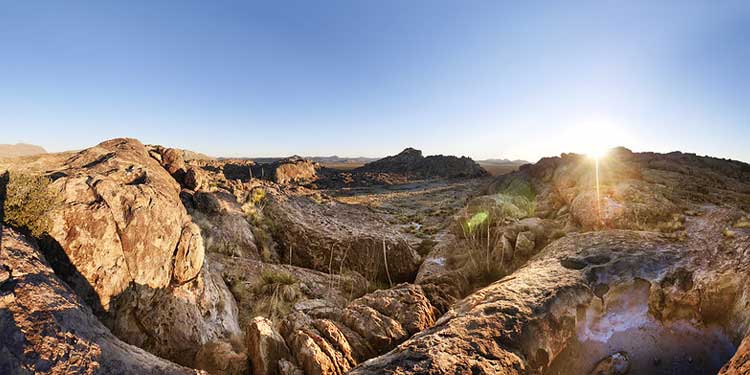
point(327, 339)
point(45, 328)
point(740, 363)
point(265, 347)
point(330, 236)
point(587, 295)
point(223, 225)
point(124, 242)
point(293, 170)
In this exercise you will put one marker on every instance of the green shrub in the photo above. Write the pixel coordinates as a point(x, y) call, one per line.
point(27, 202)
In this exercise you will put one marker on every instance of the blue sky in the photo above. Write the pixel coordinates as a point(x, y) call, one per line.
point(477, 78)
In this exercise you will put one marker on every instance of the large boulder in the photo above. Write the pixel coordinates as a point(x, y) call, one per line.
point(332, 236)
point(293, 170)
point(121, 237)
point(45, 328)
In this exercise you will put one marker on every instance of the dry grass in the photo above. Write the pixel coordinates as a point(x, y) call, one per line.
point(272, 296)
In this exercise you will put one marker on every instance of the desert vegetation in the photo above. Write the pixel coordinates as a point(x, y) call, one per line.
point(27, 201)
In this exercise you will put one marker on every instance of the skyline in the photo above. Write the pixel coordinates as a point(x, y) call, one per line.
point(368, 79)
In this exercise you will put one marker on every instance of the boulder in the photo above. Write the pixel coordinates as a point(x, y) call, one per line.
point(46, 328)
point(123, 240)
point(331, 236)
point(740, 363)
point(265, 347)
point(293, 170)
point(220, 358)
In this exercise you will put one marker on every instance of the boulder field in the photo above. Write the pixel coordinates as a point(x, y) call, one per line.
point(154, 264)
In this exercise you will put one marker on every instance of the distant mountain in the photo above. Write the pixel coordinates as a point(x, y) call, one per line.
point(20, 149)
point(502, 161)
point(318, 159)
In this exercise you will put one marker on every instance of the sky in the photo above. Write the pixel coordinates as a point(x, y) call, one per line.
point(486, 79)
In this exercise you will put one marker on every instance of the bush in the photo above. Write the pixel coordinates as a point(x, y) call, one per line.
point(27, 202)
point(275, 293)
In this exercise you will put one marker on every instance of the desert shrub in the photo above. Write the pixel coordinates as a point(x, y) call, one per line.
point(27, 202)
point(742, 222)
point(275, 293)
point(480, 255)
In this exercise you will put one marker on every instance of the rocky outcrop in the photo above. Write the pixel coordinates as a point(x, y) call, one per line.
point(410, 162)
point(330, 236)
point(223, 225)
point(585, 297)
point(293, 170)
point(523, 323)
point(123, 240)
point(45, 328)
point(326, 339)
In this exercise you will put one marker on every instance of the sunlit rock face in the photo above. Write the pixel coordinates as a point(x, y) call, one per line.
point(585, 297)
point(46, 328)
point(122, 239)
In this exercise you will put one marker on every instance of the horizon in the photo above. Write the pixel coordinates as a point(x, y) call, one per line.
point(482, 80)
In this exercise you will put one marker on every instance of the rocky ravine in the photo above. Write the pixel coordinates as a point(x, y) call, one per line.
point(538, 276)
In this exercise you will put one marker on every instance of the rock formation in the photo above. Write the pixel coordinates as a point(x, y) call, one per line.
point(203, 263)
point(410, 162)
point(123, 240)
point(46, 328)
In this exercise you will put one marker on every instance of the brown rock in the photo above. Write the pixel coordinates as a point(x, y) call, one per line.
point(740, 363)
point(331, 236)
point(220, 358)
point(524, 244)
point(121, 236)
point(616, 364)
point(46, 328)
point(265, 347)
point(189, 258)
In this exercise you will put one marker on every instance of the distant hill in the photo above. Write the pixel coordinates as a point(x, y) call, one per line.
point(498, 167)
point(20, 149)
point(502, 161)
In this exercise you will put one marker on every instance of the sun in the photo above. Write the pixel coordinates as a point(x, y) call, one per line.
point(597, 151)
point(594, 137)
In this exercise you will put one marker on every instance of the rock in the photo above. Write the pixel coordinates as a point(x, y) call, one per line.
point(220, 358)
point(123, 240)
point(524, 244)
point(195, 179)
point(410, 162)
point(616, 364)
point(331, 236)
point(405, 303)
point(173, 162)
point(523, 322)
point(46, 328)
point(293, 170)
point(289, 368)
point(189, 258)
point(740, 363)
point(265, 347)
